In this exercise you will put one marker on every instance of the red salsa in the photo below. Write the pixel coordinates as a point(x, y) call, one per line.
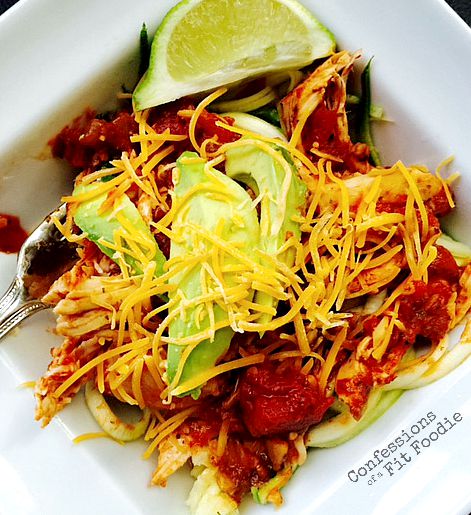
point(280, 401)
point(322, 129)
point(89, 141)
point(12, 235)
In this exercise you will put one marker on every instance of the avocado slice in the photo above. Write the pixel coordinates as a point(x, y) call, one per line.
point(102, 227)
point(266, 176)
point(220, 206)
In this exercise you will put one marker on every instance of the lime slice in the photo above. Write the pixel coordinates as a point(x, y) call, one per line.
point(203, 44)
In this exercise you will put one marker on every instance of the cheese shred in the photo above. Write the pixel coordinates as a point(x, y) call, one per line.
point(354, 244)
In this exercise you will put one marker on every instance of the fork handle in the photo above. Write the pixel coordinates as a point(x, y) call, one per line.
point(15, 307)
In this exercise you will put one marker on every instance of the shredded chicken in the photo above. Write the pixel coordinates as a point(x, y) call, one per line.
point(324, 93)
point(373, 279)
point(173, 454)
point(85, 326)
point(66, 359)
point(67, 282)
point(393, 185)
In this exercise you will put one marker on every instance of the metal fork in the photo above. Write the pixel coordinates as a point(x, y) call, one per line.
point(44, 256)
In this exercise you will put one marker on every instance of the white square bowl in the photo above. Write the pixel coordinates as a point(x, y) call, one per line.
point(56, 59)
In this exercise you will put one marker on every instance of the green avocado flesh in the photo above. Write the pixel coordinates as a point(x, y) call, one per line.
point(282, 197)
point(230, 214)
point(101, 227)
point(217, 204)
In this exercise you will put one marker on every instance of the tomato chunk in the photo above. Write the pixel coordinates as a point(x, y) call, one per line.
point(425, 311)
point(280, 401)
point(444, 266)
point(89, 142)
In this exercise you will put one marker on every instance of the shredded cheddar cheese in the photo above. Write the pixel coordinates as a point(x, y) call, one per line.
point(197, 113)
point(93, 436)
point(352, 246)
point(163, 429)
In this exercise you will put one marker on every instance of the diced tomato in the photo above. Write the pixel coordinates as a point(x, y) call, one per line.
point(89, 142)
point(167, 118)
point(322, 128)
point(397, 206)
point(425, 311)
point(91, 252)
point(355, 391)
point(444, 266)
point(207, 128)
point(368, 372)
point(439, 204)
point(279, 401)
point(205, 428)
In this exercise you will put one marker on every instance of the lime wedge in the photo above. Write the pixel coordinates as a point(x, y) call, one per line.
point(203, 44)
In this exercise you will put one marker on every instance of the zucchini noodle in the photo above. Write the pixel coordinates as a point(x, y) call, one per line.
point(244, 105)
point(109, 422)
